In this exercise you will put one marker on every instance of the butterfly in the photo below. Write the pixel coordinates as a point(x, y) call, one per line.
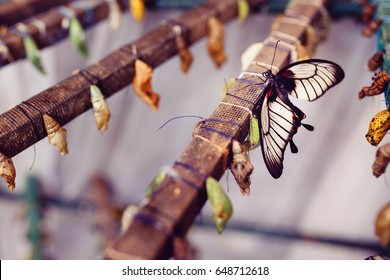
point(279, 118)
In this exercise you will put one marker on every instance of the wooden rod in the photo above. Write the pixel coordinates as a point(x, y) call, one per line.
point(174, 206)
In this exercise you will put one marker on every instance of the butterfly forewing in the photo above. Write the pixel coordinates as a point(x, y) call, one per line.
point(277, 124)
point(310, 79)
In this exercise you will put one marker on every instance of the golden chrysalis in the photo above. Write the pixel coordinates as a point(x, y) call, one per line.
point(114, 14)
point(56, 134)
point(241, 167)
point(7, 171)
point(378, 127)
point(100, 108)
point(220, 204)
point(216, 41)
point(142, 84)
point(137, 9)
point(382, 159)
point(382, 225)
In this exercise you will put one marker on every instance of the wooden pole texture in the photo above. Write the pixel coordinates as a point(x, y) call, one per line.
point(46, 28)
point(13, 12)
point(173, 207)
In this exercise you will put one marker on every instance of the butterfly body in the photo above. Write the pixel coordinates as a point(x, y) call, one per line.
point(279, 118)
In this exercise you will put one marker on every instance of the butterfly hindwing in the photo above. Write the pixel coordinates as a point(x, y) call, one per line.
point(310, 79)
point(277, 128)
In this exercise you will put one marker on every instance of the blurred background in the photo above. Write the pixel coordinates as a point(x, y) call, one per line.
point(323, 207)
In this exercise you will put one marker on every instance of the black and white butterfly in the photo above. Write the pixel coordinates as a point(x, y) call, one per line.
point(279, 118)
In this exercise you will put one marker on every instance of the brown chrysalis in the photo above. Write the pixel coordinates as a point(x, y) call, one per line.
point(380, 81)
point(7, 171)
point(382, 159)
point(142, 84)
point(372, 27)
point(215, 30)
point(184, 52)
point(56, 134)
point(376, 60)
point(241, 167)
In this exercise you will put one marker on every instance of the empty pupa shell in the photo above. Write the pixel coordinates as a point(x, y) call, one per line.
point(7, 171)
point(100, 108)
point(56, 134)
point(378, 127)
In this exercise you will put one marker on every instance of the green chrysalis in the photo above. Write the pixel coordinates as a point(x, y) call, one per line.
point(77, 36)
point(254, 132)
point(155, 184)
point(220, 203)
point(243, 9)
point(32, 53)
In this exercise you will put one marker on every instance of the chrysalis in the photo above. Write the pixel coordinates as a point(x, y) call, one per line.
point(220, 203)
point(100, 108)
point(378, 127)
point(137, 8)
point(380, 81)
point(372, 27)
point(382, 159)
point(114, 14)
point(142, 84)
point(155, 184)
point(311, 40)
point(56, 134)
point(376, 60)
point(241, 167)
point(302, 53)
point(226, 87)
point(184, 53)
point(254, 132)
point(77, 36)
point(32, 53)
point(216, 41)
point(382, 226)
point(7, 171)
point(368, 11)
point(243, 9)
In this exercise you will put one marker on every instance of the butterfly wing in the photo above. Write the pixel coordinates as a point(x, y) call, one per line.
point(310, 79)
point(277, 128)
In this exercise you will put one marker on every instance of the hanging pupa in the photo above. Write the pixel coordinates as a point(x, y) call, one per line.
point(184, 52)
point(379, 84)
point(100, 108)
point(142, 84)
point(7, 171)
point(114, 14)
point(243, 10)
point(56, 134)
point(220, 204)
point(241, 167)
point(137, 9)
point(382, 226)
point(156, 182)
point(254, 132)
point(372, 27)
point(378, 127)
point(382, 159)
point(77, 36)
point(32, 53)
point(376, 60)
point(216, 41)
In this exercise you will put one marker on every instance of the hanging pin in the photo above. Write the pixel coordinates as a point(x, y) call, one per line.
point(216, 41)
point(142, 82)
point(379, 84)
point(184, 53)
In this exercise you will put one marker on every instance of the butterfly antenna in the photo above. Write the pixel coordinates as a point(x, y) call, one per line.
point(273, 57)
